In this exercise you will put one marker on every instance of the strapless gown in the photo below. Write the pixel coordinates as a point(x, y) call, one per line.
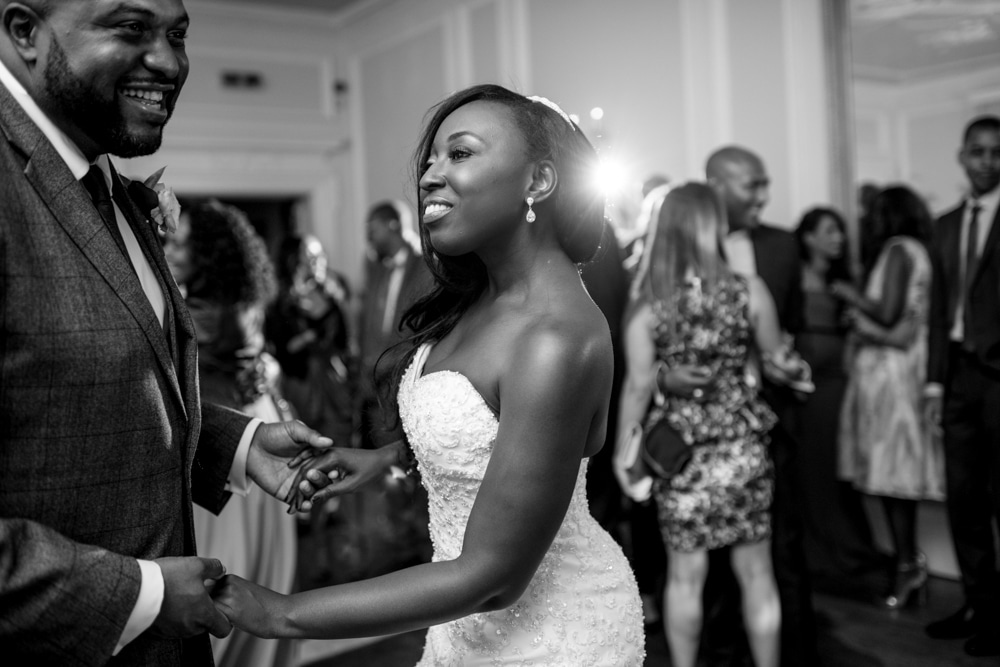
point(581, 608)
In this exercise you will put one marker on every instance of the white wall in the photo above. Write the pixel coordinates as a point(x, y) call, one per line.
point(286, 139)
point(676, 79)
point(911, 132)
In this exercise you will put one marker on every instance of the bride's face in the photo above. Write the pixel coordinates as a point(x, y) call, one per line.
point(475, 181)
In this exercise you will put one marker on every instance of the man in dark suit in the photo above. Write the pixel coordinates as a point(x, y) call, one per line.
point(963, 391)
point(103, 440)
point(754, 248)
point(395, 277)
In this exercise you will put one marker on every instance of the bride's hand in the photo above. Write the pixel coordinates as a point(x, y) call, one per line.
point(250, 607)
point(341, 470)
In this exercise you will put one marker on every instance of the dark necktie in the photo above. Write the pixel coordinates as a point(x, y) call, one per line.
point(971, 262)
point(98, 189)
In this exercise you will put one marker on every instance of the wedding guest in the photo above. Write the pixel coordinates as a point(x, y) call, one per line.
point(963, 390)
point(885, 451)
point(104, 442)
point(703, 321)
point(223, 269)
point(503, 395)
point(754, 248)
point(308, 328)
point(395, 277)
point(838, 541)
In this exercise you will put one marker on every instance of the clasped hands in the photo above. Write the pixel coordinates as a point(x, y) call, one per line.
point(291, 462)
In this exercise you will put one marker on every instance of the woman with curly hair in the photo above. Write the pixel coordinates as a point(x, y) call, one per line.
point(223, 269)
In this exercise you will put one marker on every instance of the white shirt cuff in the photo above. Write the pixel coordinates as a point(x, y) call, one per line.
point(238, 482)
point(933, 390)
point(147, 607)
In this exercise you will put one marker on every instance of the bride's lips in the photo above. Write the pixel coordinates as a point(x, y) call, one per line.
point(435, 210)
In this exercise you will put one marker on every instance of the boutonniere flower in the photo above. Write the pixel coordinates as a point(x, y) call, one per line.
point(159, 201)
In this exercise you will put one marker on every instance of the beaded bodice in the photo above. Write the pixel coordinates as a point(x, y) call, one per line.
point(581, 608)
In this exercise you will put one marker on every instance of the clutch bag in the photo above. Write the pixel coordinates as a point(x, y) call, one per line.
point(663, 450)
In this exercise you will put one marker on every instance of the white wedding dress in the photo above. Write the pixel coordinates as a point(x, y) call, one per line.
point(582, 607)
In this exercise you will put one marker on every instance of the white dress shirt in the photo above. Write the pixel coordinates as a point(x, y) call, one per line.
point(987, 212)
point(398, 264)
point(739, 253)
point(151, 589)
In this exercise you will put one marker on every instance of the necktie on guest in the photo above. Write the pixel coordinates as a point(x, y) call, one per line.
point(101, 196)
point(971, 263)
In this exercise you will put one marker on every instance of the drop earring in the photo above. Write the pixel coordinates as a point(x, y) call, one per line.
point(530, 217)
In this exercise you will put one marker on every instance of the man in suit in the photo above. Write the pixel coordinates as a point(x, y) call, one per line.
point(104, 443)
point(395, 277)
point(755, 248)
point(963, 391)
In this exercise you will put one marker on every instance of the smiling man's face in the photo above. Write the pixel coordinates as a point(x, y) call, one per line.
point(109, 71)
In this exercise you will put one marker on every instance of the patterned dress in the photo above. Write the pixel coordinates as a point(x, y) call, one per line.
point(723, 496)
point(884, 448)
point(582, 606)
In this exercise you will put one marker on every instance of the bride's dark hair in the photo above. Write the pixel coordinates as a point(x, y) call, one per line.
point(575, 208)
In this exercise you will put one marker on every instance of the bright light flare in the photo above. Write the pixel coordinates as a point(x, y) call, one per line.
point(597, 113)
point(610, 177)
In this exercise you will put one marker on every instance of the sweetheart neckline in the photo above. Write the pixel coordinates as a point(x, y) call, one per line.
point(419, 375)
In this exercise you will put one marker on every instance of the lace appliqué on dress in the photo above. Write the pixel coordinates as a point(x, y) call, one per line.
point(582, 606)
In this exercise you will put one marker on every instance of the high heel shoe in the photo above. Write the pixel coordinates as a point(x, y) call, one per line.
point(911, 585)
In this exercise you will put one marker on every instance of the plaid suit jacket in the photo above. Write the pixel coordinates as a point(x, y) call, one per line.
point(103, 440)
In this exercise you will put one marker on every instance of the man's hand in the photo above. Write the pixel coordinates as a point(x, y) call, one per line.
point(187, 609)
point(275, 452)
point(343, 470)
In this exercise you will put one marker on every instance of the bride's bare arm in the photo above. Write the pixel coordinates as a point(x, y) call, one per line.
point(553, 394)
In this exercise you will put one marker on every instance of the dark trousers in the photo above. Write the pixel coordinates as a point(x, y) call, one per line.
point(723, 640)
point(971, 421)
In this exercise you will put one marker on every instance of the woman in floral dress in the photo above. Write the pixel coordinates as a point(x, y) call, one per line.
point(706, 325)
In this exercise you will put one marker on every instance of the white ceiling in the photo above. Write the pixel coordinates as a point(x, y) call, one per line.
point(904, 40)
point(892, 40)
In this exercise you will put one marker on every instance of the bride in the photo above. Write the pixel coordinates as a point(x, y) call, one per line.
point(503, 396)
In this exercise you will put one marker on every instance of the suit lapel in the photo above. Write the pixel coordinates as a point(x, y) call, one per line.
point(183, 331)
point(71, 207)
point(989, 248)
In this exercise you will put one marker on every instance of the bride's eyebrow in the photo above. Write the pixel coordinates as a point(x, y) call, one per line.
point(464, 133)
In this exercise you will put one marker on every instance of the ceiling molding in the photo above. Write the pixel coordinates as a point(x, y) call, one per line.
point(943, 70)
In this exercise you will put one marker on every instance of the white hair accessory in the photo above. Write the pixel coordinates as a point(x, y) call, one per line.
point(555, 107)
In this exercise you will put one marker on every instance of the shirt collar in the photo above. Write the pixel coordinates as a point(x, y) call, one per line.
point(68, 151)
point(988, 201)
point(397, 260)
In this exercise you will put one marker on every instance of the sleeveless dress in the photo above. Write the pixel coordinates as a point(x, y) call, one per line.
point(884, 448)
point(723, 496)
point(582, 606)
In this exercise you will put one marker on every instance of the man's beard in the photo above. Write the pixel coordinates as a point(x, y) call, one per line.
point(100, 119)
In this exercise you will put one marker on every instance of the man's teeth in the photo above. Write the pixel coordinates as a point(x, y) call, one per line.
point(147, 95)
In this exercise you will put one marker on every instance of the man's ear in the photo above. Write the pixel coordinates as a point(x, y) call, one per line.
point(543, 181)
point(21, 23)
